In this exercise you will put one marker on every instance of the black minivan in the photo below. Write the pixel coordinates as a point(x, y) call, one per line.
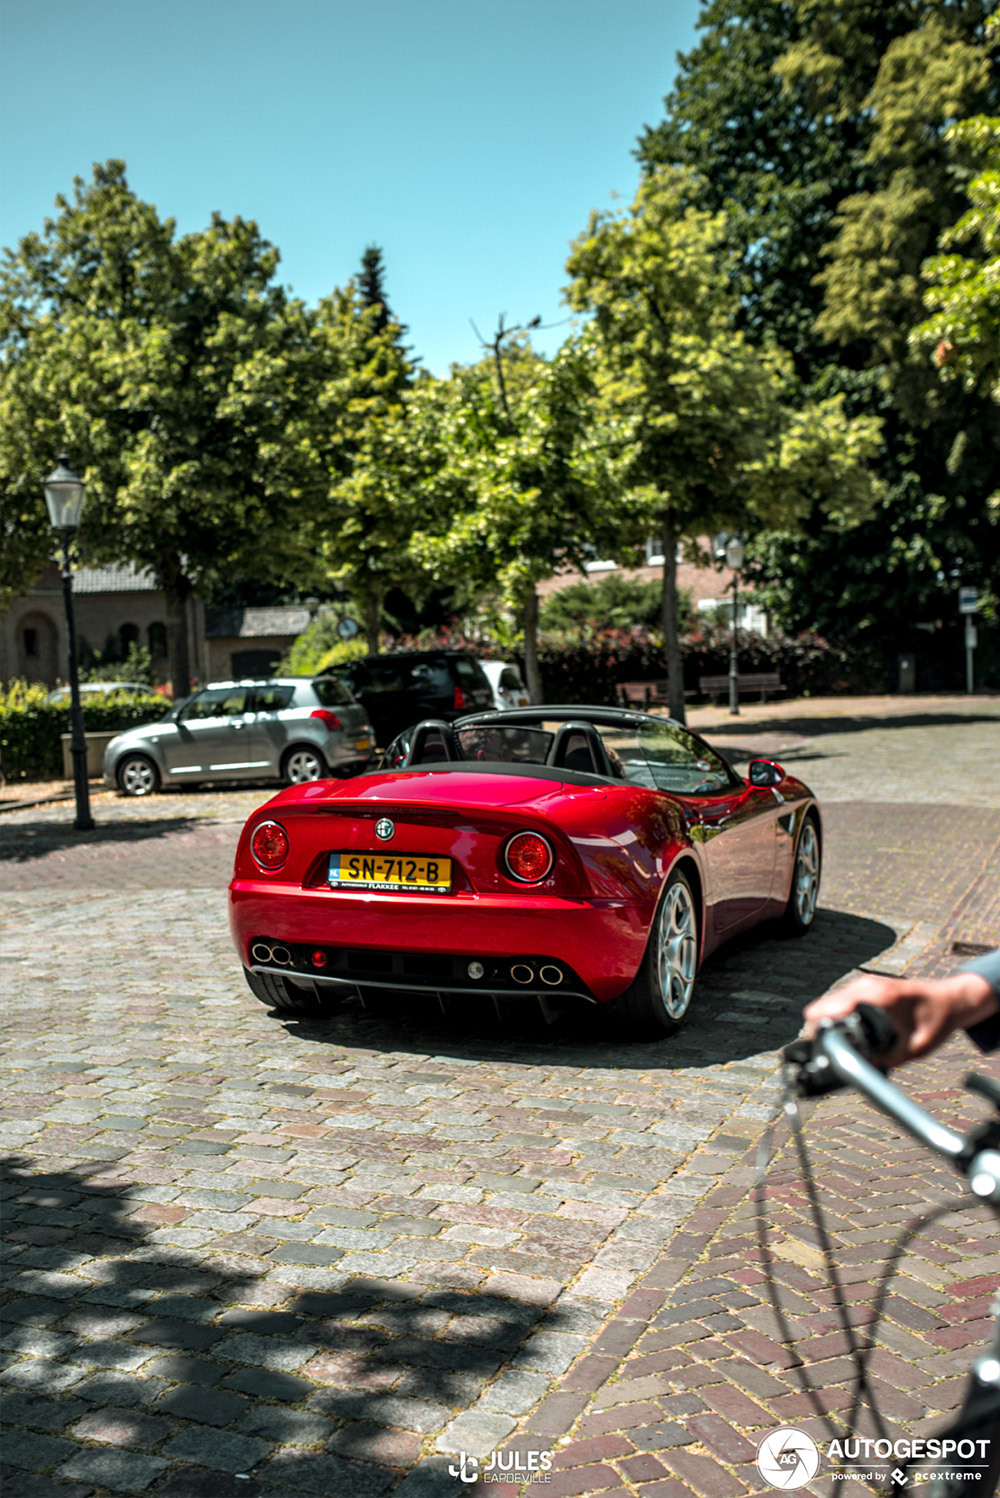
point(398, 690)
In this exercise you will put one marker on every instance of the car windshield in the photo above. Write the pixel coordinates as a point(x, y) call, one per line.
point(658, 755)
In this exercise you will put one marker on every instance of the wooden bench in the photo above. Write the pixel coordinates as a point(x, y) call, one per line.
point(751, 681)
point(645, 694)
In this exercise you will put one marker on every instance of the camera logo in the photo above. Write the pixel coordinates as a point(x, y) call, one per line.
point(787, 1458)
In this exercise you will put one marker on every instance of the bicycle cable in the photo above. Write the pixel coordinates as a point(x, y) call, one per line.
point(859, 1351)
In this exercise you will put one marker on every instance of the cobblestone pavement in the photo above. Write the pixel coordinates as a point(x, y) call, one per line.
point(252, 1256)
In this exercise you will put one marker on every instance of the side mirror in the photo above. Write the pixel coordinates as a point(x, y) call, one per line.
point(764, 773)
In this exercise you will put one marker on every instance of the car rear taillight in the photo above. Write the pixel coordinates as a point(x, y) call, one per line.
point(329, 720)
point(269, 845)
point(528, 857)
point(459, 699)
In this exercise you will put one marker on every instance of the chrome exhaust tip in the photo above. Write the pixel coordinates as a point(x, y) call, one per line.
point(260, 952)
point(522, 973)
point(551, 974)
point(281, 955)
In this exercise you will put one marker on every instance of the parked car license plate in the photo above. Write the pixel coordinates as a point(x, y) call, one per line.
point(362, 744)
point(394, 873)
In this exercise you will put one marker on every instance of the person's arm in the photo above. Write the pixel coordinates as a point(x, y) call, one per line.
point(986, 1032)
point(925, 1011)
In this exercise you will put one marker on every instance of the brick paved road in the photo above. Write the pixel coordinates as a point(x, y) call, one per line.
point(415, 1235)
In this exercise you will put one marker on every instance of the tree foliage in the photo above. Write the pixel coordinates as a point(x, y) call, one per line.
point(826, 133)
point(181, 379)
point(711, 438)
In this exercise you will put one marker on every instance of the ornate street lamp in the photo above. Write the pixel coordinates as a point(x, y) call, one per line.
point(64, 497)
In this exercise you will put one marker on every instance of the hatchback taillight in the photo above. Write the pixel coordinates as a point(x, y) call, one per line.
point(459, 699)
point(329, 720)
point(528, 857)
point(269, 845)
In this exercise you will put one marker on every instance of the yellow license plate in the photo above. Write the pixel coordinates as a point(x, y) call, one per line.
point(362, 744)
point(391, 873)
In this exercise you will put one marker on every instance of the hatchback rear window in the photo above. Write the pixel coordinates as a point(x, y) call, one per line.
point(469, 671)
point(331, 692)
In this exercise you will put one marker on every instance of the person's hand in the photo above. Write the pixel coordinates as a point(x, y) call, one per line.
point(924, 1011)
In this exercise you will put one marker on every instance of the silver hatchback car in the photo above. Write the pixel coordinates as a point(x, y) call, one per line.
point(287, 727)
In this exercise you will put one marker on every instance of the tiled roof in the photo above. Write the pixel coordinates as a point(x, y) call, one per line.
point(255, 623)
point(118, 577)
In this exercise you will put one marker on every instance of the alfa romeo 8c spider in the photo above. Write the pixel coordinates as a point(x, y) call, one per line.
point(580, 854)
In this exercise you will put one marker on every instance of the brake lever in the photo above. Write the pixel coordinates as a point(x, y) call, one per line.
point(868, 1029)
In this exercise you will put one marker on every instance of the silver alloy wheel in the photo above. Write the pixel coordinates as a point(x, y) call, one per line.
point(303, 764)
point(137, 777)
point(676, 950)
point(805, 885)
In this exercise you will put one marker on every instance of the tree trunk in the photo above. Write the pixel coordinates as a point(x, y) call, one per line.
point(671, 634)
point(373, 613)
point(533, 676)
point(177, 589)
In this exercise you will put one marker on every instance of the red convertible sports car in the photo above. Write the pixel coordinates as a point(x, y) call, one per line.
point(591, 854)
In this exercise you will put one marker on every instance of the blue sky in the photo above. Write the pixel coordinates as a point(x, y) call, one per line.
point(469, 138)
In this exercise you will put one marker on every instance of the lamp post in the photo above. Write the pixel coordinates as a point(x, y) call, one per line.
point(732, 551)
point(735, 551)
point(64, 497)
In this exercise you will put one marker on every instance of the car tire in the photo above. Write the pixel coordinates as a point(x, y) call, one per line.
point(302, 763)
point(286, 996)
point(807, 869)
point(137, 775)
point(656, 1003)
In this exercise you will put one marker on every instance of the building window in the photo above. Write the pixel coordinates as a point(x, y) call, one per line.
point(157, 640)
point(31, 643)
point(129, 635)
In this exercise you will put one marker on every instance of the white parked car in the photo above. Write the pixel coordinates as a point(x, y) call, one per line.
point(95, 689)
point(508, 688)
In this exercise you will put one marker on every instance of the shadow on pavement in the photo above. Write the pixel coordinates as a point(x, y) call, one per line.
point(810, 728)
point(140, 1366)
point(749, 999)
point(25, 841)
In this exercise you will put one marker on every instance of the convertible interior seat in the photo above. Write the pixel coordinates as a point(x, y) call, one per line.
point(578, 746)
point(433, 741)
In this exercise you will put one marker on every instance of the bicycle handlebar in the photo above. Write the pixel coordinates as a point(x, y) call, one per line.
point(838, 1055)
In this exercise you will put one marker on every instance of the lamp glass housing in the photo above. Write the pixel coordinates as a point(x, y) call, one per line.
point(735, 552)
point(64, 496)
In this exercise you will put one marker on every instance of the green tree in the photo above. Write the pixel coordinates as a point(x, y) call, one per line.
point(823, 132)
point(963, 291)
point(366, 523)
point(711, 439)
point(526, 482)
point(612, 601)
point(180, 378)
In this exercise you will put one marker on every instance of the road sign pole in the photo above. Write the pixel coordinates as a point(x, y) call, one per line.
point(970, 645)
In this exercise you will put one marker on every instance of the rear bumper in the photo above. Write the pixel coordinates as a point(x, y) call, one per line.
point(597, 944)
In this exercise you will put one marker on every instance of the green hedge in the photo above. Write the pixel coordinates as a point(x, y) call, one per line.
point(808, 664)
point(30, 728)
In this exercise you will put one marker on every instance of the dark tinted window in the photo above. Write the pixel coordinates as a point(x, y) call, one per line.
point(469, 672)
point(510, 680)
point(380, 676)
point(331, 692)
